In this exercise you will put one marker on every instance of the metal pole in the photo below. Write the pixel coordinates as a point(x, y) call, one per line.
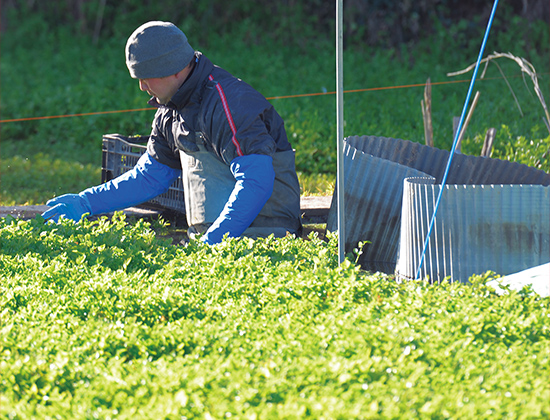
point(340, 129)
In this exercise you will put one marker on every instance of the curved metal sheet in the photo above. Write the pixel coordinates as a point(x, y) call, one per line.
point(372, 194)
point(465, 169)
point(478, 228)
point(375, 168)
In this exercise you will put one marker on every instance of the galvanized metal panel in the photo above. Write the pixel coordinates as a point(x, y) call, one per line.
point(374, 170)
point(501, 228)
point(465, 169)
point(373, 193)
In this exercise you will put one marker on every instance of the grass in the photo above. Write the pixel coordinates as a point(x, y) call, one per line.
point(105, 319)
point(37, 81)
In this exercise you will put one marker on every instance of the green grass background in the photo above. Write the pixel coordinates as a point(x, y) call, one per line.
point(61, 73)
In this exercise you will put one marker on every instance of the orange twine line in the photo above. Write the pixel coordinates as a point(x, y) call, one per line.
point(302, 95)
point(369, 89)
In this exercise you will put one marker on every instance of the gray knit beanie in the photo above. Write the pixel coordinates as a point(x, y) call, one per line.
point(157, 49)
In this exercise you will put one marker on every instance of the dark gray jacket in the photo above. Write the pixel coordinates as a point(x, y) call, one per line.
point(256, 128)
point(230, 119)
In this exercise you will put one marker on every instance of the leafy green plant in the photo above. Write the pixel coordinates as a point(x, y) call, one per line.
point(532, 152)
point(104, 319)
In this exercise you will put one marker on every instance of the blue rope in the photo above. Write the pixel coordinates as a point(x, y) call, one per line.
point(458, 130)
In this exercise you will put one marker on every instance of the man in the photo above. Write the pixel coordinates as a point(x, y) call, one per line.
point(221, 135)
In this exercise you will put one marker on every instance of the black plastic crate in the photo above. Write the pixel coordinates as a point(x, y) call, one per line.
point(121, 153)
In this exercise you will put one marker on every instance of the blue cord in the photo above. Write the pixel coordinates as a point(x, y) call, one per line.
point(458, 130)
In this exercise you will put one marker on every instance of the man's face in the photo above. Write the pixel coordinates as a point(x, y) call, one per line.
point(162, 88)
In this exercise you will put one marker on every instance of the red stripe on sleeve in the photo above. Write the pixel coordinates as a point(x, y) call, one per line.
point(228, 116)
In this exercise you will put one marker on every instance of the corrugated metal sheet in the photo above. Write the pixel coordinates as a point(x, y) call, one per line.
point(465, 169)
point(375, 168)
point(501, 228)
point(373, 193)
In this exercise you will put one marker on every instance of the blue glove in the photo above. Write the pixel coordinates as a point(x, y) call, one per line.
point(71, 206)
point(148, 179)
point(255, 177)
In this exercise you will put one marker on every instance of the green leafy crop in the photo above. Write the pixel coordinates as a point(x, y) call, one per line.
point(104, 319)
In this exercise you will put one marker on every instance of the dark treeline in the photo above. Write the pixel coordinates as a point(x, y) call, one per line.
point(371, 22)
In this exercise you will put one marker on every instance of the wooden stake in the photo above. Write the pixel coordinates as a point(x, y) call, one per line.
point(426, 105)
point(456, 120)
point(488, 143)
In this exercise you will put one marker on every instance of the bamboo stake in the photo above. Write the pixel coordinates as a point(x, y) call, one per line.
point(467, 121)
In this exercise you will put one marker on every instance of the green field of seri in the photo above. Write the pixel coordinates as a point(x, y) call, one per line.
point(60, 73)
point(108, 320)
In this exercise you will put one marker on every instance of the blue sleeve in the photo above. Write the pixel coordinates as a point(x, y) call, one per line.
point(254, 175)
point(148, 179)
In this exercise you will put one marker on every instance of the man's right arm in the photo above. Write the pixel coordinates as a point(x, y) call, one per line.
point(148, 179)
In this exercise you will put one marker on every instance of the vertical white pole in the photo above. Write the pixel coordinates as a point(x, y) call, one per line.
point(340, 129)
